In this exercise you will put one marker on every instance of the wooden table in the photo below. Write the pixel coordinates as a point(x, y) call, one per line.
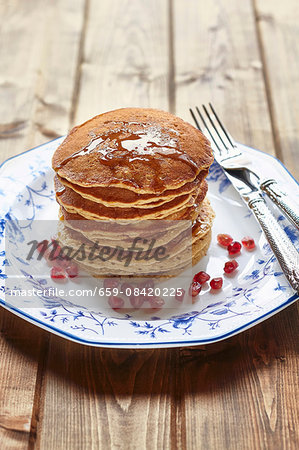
point(63, 61)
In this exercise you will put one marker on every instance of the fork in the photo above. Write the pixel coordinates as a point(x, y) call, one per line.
point(227, 154)
point(233, 162)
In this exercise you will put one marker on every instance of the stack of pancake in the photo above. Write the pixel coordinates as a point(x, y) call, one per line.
point(134, 173)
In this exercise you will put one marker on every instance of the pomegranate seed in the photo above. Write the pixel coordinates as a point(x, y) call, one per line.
point(156, 302)
point(110, 283)
point(116, 302)
point(136, 301)
point(41, 245)
point(146, 287)
point(195, 288)
point(180, 294)
point(230, 266)
point(147, 284)
point(248, 243)
point(64, 261)
point(57, 273)
point(201, 277)
point(234, 248)
point(72, 270)
point(224, 239)
point(127, 286)
point(216, 283)
point(55, 252)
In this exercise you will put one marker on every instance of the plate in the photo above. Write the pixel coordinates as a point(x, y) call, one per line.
point(257, 290)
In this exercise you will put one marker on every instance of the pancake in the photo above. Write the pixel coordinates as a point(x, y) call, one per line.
point(162, 231)
point(135, 173)
point(179, 261)
point(74, 203)
point(144, 150)
point(192, 231)
point(123, 198)
point(183, 248)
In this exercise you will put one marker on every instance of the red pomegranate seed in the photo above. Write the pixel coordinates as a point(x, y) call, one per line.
point(195, 288)
point(116, 302)
point(64, 261)
point(110, 283)
point(180, 294)
point(57, 273)
point(136, 301)
point(230, 266)
point(148, 284)
point(42, 245)
point(224, 239)
point(156, 302)
point(234, 248)
point(216, 283)
point(127, 288)
point(55, 252)
point(248, 243)
point(201, 277)
point(72, 270)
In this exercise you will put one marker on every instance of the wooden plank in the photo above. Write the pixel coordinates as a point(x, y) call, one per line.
point(38, 70)
point(217, 59)
point(108, 398)
point(237, 398)
point(22, 347)
point(244, 395)
point(18, 72)
point(125, 61)
point(36, 89)
point(278, 25)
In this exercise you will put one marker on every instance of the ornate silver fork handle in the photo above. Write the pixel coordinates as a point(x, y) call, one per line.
point(282, 247)
point(281, 200)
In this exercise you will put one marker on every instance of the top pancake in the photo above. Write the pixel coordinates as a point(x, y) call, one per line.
point(143, 150)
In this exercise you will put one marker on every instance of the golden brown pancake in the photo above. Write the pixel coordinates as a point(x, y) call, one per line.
point(141, 149)
point(123, 198)
point(130, 173)
point(74, 203)
point(124, 234)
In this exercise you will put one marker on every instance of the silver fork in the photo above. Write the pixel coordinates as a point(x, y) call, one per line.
point(230, 157)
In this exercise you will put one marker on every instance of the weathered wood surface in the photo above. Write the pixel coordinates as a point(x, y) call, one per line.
point(278, 31)
point(77, 59)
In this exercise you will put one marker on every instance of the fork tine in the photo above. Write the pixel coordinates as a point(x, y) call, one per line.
point(212, 136)
point(214, 126)
point(195, 119)
point(222, 126)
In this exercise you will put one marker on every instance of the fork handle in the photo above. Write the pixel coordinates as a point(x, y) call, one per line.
point(282, 247)
point(281, 199)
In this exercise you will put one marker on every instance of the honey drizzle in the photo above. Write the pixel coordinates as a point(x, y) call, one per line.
point(126, 145)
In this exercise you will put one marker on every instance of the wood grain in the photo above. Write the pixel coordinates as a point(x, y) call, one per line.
point(108, 398)
point(77, 59)
point(125, 57)
point(36, 90)
point(232, 401)
point(217, 59)
point(244, 396)
point(38, 69)
point(278, 26)
point(21, 350)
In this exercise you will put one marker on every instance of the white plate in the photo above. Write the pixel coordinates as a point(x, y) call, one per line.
point(257, 291)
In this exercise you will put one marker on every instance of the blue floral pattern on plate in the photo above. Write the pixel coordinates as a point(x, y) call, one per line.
point(259, 290)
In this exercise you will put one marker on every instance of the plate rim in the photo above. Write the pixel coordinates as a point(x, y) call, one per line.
point(182, 343)
point(169, 344)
